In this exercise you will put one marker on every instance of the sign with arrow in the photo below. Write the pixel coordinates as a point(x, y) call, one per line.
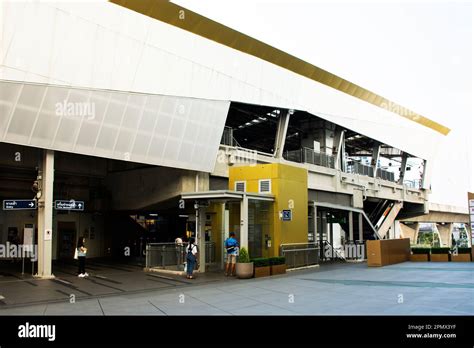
point(19, 204)
point(69, 205)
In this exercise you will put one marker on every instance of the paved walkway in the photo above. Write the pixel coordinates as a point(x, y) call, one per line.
point(343, 289)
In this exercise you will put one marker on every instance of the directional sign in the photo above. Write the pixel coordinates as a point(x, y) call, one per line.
point(286, 215)
point(19, 204)
point(68, 205)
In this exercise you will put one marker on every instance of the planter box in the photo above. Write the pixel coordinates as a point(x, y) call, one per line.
point(244, 270)
point(461, 258)
point(387, 251)
point(439, 258)
point(278, 269)
point(419, 257)
point(262, 271)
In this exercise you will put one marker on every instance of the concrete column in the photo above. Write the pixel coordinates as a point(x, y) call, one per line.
point(315, 222)
point(331, 239)
point(403, 168)
point(321, 231)
point(375, 158)
point(361, 228)
point(351, 227)
point(244, 222)
point(417, 229)
point(45, 216)
point(281, 134)
point(224, 233)
point(201, 237)
point(339, 140)
point(425, 177)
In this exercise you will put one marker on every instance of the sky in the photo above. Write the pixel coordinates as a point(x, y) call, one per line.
point(416, 53)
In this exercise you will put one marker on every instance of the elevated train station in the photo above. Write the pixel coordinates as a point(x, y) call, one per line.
point(161, 128)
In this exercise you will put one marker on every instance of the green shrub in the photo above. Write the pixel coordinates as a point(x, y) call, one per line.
point(278, 260)
point(420, 250)
point(440, 250)
point(244, 256)
point(463, 250)
point(261, 262)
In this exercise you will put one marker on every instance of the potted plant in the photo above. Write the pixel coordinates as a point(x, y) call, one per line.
point(277, 265)
point(261, 267)
point(439, 255)
point(244, 268)
point(420, 254)
point(461, 255)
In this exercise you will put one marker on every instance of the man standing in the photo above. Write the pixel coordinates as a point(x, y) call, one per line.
point(232, 247)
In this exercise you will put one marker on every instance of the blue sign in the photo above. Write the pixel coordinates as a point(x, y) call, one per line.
point(19, 204)
point(286, 215)
point(69, 205)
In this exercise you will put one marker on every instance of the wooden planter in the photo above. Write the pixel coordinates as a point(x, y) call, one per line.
point(461, 258)
point(439, 258)
point(278, 269)
point(419, 257)
point(262, 271)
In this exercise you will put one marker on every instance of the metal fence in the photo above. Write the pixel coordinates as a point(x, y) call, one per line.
point(300, 254)
point(307, 155)
point(415, 184)
point(227, 136)
point(173, 256)
point(359, 168)
point(385, 175)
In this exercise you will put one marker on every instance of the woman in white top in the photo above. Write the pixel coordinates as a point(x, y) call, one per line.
point(191, 258)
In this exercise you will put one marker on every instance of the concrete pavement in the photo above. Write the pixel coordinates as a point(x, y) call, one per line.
point(342, 289)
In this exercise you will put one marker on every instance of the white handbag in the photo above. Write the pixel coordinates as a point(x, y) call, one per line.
point(75, 254)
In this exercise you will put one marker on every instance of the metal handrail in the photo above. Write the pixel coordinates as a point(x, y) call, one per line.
point(298, 256)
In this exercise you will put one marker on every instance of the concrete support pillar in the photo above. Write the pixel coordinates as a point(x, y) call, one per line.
point(315, 222)
point(45, 216)
point(281, 134)
point(425, 176)
point(417, 229)
point(244, 222)
point(340, 141)
point(201, 237)
point(225, 233)
point(375, 158)
point(403, 168)
point(361, 228)
point(351, 227)
point(322, 230)
point(331, 238)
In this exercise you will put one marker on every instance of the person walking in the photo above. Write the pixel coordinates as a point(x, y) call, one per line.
point(191, 258)
point(232, 246)
point(81, 256)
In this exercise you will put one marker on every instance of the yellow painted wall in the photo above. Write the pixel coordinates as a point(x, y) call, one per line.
point(290, 188)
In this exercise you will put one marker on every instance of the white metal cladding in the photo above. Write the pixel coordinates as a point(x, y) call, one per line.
point(154, 129)
point(100, 45)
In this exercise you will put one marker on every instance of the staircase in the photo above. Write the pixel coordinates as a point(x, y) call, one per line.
point(387, 219)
